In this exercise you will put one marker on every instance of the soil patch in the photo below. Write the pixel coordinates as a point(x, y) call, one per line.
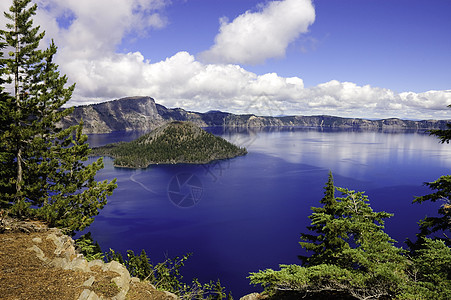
point(24, 276)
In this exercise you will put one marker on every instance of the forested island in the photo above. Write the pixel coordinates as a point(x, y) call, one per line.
point(173, 143)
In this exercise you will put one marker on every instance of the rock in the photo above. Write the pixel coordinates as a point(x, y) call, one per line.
point(59, 262)
point(55, 240)
point(115, 266)
point(121, 295)
point(37, 240)
point(89, 282)
point(64, 245)
point(88, 295)
point(67, 258)
point(38, 251)
point(122, 282)
point(134, 280)
point(253, 296)
point(78, 264)
point(96, 263)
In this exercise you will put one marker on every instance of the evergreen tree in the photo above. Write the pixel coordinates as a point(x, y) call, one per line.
point(352, 256)
point(429, 272)
point(442, 194)
point(5, 157)
point(44, 165)
point(430, 225)
point(325, 242)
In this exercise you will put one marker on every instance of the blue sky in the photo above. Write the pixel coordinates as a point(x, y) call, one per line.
point(351, 58)
point(403, 45)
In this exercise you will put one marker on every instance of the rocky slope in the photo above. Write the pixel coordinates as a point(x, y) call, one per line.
point(37, 262)
point(143, 114)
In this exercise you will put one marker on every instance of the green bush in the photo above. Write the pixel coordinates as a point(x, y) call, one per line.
point(164, 276)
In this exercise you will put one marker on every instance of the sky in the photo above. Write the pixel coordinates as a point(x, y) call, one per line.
point(349, 58)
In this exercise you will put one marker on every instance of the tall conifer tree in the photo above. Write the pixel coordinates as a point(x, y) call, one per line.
point(5, 157)
point(343, 224)
point(324, 242)
point(352, 255)
point(43, 165)
point(436, 226)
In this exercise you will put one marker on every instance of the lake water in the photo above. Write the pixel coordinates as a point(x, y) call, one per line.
point(246, 214)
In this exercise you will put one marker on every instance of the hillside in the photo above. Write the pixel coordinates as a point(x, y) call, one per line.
point(175, 142)
point(143, 114)
point(37, 262)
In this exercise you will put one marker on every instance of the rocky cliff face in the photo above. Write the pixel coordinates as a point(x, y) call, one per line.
point(142, 113)
point(135, 113)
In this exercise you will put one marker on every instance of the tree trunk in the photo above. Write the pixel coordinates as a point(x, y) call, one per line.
point(19, 178)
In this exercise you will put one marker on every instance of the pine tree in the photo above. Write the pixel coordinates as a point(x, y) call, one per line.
point(442, 194)
point(430, 272)
point(6, 159)
point(325, 242)
point(44, 165)
point(353, 256)
point(433, 224)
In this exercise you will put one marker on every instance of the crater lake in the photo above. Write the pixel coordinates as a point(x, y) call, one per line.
point(245, 214)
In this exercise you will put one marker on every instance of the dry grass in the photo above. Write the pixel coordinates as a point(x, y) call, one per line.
point(24, 276)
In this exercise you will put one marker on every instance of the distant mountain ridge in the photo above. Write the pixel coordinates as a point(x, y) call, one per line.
point(143, 114)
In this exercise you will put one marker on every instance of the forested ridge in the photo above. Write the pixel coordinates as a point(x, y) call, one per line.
point(176, 142)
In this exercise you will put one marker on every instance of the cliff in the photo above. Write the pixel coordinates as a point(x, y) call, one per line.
point(143, 114)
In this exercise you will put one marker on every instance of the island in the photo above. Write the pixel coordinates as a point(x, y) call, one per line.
point(173, 143)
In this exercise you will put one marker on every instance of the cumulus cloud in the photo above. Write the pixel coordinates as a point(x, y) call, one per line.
point(88, 38)
point(87, 27)
point(253, 37)
point(182, 81)
point(94, 28)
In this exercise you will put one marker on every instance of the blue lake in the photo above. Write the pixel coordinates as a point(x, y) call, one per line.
point(246, 214)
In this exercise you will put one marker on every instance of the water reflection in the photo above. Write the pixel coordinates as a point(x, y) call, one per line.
point(353, 153)
point(249, 211)
point(350, 152)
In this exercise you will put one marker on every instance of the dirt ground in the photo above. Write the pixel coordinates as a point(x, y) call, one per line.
point(24, 276)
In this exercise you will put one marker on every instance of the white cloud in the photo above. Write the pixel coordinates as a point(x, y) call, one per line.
point(87, 54)
point(98, 27)
point(254, 37)
point(182, 81)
